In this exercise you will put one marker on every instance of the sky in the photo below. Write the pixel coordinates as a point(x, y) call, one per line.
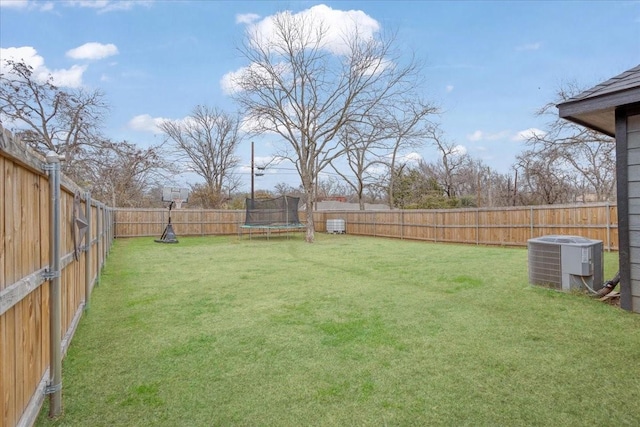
point(488, 65)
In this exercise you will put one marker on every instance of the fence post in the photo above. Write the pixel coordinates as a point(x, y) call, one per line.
point(87, 252)
point(531, 236)
point(477, 226)
point(54, 388)
point(98, 244)
point(608, 228)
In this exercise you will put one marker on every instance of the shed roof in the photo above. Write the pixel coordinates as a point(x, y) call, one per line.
point(595, 107)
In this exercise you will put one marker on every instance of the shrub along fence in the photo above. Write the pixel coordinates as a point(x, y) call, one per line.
point(54, 242)
point(511, 226)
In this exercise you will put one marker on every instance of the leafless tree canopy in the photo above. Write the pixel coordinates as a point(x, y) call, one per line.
point(373, 143)
point(125, 175)
point(295, 86)
point(574, 156)
point(67, 122)
point(207, 141)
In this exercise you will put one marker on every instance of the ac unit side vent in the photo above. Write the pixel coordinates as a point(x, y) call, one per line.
point(545, 265)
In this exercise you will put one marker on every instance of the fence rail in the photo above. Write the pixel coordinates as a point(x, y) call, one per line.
point(512, 226)
point(27, 275)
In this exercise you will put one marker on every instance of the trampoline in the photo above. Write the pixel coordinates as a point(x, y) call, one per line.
point(267, 215)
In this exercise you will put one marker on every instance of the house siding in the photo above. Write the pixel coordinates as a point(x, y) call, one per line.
point(633, 168)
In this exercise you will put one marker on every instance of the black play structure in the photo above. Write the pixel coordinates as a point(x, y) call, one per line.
point(280, 213)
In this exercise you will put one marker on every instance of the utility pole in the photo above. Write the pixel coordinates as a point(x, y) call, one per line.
point(252, 166)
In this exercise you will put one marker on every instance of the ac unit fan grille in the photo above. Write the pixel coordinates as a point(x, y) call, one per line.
point(545, 265)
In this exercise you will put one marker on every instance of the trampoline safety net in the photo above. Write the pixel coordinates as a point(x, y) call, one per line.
point(278, 212)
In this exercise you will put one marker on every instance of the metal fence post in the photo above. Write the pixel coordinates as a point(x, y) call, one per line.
point(87, 252)
point(98, 243)
point(608, 227)
point(55, 386)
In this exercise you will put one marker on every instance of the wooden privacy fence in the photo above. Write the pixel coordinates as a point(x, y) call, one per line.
point(46, 274)
point(484, 226)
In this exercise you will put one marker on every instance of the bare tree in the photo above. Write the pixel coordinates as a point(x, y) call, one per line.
point(407, 127)
point(283, 189)
point(587, 156)
point(362, 143)
point(207, 141)
point(298, 88)
point(449, 169)
point(378, 139)
point(50, 118)
point(123, 174)
point(332, 187)
point(543, 179)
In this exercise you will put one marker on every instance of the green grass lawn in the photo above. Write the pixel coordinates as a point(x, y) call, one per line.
point(347, 331)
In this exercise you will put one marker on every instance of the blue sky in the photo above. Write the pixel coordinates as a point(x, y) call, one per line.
point(489, 65)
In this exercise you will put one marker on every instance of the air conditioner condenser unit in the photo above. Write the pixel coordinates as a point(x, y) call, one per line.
point(566, 262)
point(336, 226)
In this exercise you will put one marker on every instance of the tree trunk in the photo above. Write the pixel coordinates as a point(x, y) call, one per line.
point(310, 236)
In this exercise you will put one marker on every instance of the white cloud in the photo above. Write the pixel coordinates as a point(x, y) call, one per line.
point(26, 54)
point(146, 123)
point(529, 46)
point(523, 135)
point(475, 136)
point(42, 6)
point(247, 18)
point(459, 150)
point(410, 158)
point(378, 66)
point(103, 6)
point(71, 77)
point(93, 50)
point(95, 4)
point(336, 24)
point(230, 81)
point(15, 4)
point(479, 135)
point(449, 88)
point(526, 134)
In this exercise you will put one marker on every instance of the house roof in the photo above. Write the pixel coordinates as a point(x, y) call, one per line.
point(595, 107)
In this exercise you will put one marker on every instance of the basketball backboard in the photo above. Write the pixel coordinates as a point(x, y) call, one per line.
point(174, 194)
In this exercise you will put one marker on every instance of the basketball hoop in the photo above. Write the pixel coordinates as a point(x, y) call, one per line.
point(176, 195)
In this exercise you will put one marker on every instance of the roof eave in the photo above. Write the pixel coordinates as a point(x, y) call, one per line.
point(590, 126)
point(582, 111)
